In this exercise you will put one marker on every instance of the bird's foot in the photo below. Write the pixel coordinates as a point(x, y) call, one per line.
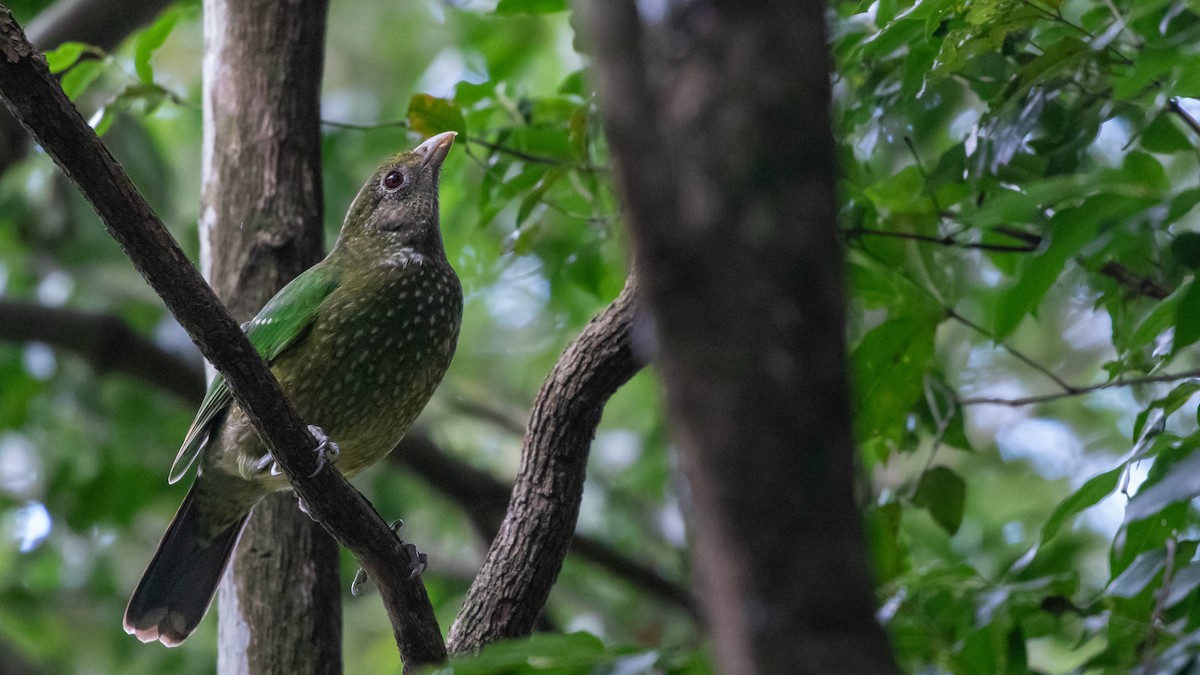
point(420, 562)
point(326, 451)
point(267, 460)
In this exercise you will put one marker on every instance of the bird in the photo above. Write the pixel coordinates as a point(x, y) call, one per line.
point(358, 342)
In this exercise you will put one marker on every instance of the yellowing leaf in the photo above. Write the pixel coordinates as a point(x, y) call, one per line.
point(429, 115)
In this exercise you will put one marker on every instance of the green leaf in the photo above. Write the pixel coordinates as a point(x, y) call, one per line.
point(1140, 573)
point(880, 286)
point(536, 195)
point(1071, 230)
point(76, 80)
point(1183, 583)
point(943, 493)
point(1187, 318)
point(149, 41)
point(1159, 319)
point(889, 364)
point(1148, 534)
point(1089, 494)
point(1181, 483)
point(65, 55)
point(510, 7)
point(1164, 137)
point(902, 192)
point(1182, 203)
point(1168, 404)
point(430, 115)
point(1142, 168)
point(1186, 249)
point(883, 534)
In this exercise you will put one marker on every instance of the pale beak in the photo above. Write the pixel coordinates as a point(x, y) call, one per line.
point(434, 150)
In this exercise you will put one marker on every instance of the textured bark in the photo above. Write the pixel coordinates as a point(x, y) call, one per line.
point(103, 23)
point(35, 99)
point(105, 341)
point(721, 134)
point(261, 225)
point(527, 554)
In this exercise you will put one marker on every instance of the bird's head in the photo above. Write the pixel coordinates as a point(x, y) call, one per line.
point(398, 205)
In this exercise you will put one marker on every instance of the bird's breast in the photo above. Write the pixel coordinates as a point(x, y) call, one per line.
point(375, 354)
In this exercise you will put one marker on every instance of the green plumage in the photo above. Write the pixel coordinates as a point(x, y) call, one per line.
point(359, 342)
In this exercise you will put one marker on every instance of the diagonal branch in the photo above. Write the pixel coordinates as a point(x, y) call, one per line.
point(527, 554)
point(105, 341)
point(39, 103)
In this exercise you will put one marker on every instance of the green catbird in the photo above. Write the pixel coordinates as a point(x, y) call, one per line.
point(359, 342)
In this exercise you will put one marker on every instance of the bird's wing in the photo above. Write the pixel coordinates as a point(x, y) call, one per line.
point(280, 324)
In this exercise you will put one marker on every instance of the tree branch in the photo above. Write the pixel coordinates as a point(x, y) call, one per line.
point(527, 554)
point(1020, 356)
point(1144, 286)
point(483, 499)
point(105, 341)
point(38, 102)
point(1176, 107)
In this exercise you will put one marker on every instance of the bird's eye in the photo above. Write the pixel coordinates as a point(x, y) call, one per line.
point(393, 180)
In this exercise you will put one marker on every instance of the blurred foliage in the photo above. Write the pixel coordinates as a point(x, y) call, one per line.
point(1019, 187)
point(1020, 178)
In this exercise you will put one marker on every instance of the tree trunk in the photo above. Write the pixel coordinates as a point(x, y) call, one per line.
point(721, 133)
point(261, 225)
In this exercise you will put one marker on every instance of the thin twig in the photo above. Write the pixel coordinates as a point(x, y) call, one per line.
point(351, 126)
point(533, 158)
point(948, 241)
point(1079, 391)
point(939, 434)
point(495, 147)
point(1011, 350)
point(1176, 107)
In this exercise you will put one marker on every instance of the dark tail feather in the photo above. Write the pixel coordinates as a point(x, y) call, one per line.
point(178, 585)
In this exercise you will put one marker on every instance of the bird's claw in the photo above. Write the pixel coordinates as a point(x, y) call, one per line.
point(420, 562)
point(267, 460)
point(327, 451)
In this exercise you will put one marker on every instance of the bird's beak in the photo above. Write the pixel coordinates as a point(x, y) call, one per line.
point(434, 150)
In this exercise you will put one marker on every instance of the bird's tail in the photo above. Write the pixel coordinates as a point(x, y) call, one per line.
point(178, 585)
